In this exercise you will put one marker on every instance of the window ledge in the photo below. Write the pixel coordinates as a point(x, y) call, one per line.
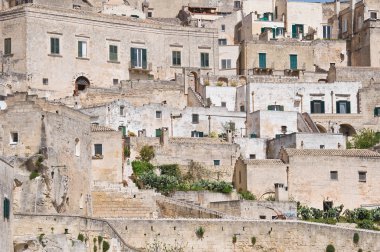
point(97, 157)
point(8, 55)
point(113, 61)
point(13, 143)
point(81, 58)
point(206, 68)
point(176, 66)
point(55, 55)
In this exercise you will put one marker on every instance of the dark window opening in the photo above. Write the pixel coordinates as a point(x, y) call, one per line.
point(327, 205)
point(45, 81)
point(317, 107)
point(334, 175)
point(7, 46)
point(158, 114)
point(262, 217)
point(252, 156)
point(216, 162)
point(115, 81)
point(98, 149)
point(14, 137)
point(195, 118)
point(362, 176)
point(223, 104)
point(7, 208)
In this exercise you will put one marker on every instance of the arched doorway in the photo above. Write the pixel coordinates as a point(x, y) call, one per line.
point(347, 130)
point(193, 81)
point(321, 128)
point(81, 84)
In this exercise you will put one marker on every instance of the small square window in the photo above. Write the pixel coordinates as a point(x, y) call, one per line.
point(195, 118)
point(262, 217)
point(98, 148)
point(115, 81)
point(158, 114)
point(150, 14)
point(373, 15)
point(363, 176)
point(45, 81)
point(222, 42)
point(122, 110)
point(321, 147)
point(242, 108)
point(333, 175)
point(223, 28)
point(216, 162)
point(223, 104)
point(252, 156)
point(14, 138)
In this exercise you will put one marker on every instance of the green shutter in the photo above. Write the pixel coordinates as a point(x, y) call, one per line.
point(80, 53)
point(144, 62)
point(274, 33)
point(293, 62)
point(271, 107)
point(294, 31)
point(56, 46)
point(281, 108)
point(158, 132)
point(207, 60)
point(133, 57)
point(52, 45)
point(6, 207)
point(262, 60)
point(376, 111)
point(312, 107)
point(337, 108)
point(348, 107)
point(262, 29)
point(323, 107)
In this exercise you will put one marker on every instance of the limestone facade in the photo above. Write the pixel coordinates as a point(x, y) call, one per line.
point(6, 199)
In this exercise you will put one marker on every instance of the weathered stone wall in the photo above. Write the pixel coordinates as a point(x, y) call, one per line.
point(6, 192)
point(204, 198)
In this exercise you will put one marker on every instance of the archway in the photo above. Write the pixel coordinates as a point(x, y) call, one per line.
point(193, 81)
point(243, 80)
point(223, 79)
point(321, 128)
point(81, 84)
point(347, 130)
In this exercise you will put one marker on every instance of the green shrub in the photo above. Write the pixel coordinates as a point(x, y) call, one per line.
point(317, 213)
point(147, 153)
point(215, 186)
point(164, 184)
point(95, 248)
point(247, 195)
point(219, 83)
point(33, 175)
point(360, 250)
point(234, 239)
point(253, 240)
point(40, 237)
point(376, 214)
point(365, 139)
point(213, 134)
point(362, 214)
point(356, 238)
point(141, 167)
point(100, 239)
point(81, 237)
point(106, 246)
point(330, 248)
point(127, 152)
point(170, 170)
point(366, 224)
point(200, 232)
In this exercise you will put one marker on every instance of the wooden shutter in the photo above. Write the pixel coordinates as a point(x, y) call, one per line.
point(6, 207)
point(144, 56)
point(80, 52)
point(348, 107)
point(322, 107)
point(294, 31)
point(376, 111)
point(262, 60)
point(133, 57)
point(337, 107)
point(271, 107)
point(312, 107)
point(293, 62)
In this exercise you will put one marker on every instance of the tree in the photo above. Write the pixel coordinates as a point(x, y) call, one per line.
point(147, 153)
point(366, 138)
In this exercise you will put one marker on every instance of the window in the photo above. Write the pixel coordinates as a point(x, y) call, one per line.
point(122, 110)
point(195, 118)
point(98, 148)
point(222, 42)
point(176, 58)
point(333, 175)
point(14, 138)
point(373, 15)
point(262, 217)
point(226, 64)
point(138, 58)
point(54, 45)
point(237, 4)
point(223, 28)
point(343, 107)
point(376, 112)
point(276, 107)
point(150, 14)
point(242, 108)
point(158, 114)
point(293, 61)
point(113, 53)
point(321, 146)
point(317, 107)
point(82, 49)
point(196, 133)
point(7, 208)
point(363, 176)
point(327, 32)
point(252, 156)
point(344, 29)
point(216, 162)
point(297, 29)
point(115, 81)
point(223, 104)
point(262, 60)
point(204, 60)
point(7, 46)
point(45, 81)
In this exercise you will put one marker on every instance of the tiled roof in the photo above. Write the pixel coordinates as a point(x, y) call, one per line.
point(97, 128)
point(197, 140)
point(263, 161)
point(332, 152)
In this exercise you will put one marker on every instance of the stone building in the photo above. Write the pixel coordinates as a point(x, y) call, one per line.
point(6, 199)
point(347, 177)
point(49, 146)
point(100, 50)
point(107, 147)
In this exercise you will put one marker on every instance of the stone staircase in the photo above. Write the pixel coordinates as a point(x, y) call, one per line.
point(197, 97)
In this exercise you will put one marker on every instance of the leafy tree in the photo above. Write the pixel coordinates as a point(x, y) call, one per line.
point(147, 153)
point(141, 167)
point(366, 138)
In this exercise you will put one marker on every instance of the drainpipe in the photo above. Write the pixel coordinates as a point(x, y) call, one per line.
point(300, 95)
point(209, 125)
point(253, 101)
point(332, 102)
point(247, 89)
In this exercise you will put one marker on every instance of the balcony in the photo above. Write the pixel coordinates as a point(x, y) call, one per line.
point(140, 69)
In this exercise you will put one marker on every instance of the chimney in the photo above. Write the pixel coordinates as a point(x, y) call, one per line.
point(280, 192)
point(164, 139)
point(337, 7)
point(229, 136)
point(142, 133)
